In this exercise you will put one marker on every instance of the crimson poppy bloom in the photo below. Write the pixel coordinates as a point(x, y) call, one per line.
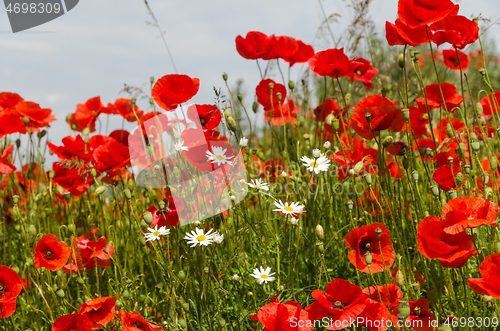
point(38, 117)
point(490, 105)
point(264, 92)
point(420, 317)
point(375, 316)
point(456, 30)
point(5, 166)
point(72, 322)
point(415, 13)
point(365, 72)
point(453, 62)
point(73, 180)
point(253, 46)
point(167, 217)
point(134, 321)
point(434, 99)
point(392, 299)
point(121, 136)
point(282, 115)
point(72, 148)
point(50, 253)
point(204, 116)
point(334, 63)
point(383, 115)
point(100, 311)
point(270, 168)
point(342, 302)
point(469, 212)
point(445, 175)
point(363, 240)
point(172, 90)
point(452, 250)
point(284, 316)
point(488, 129)
point(280, 47)
point(83, 118)
point(89, 253)
point(126, 109)
point(397, 148)
point(490, 283)
point(401, 34)
point(419, 120)
point(9, 100)
point(112, 155)
point(303, 54)
point(10, 287)
point(11, 123)
point(352, 156)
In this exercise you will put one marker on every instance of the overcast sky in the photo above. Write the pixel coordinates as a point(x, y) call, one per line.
point(102, 44)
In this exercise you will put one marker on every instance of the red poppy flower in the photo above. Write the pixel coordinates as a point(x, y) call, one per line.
point(282, 115)
point(489, 104)
point(253, 46)
point(205, 116)
point(401, 34)
point(172, 90)
point(394, 296)
point(488, 129)
point(365, 72)
point(5, 166)
point(434, 99)
point(452, 250)
point(456, 30)
point(453, 62)
point(375, 316)
point(334, 63)
point(38, 117)
point(384, 115)
point(445, 175)
point(72, 322)
point(89, 252)
point(490, 283)
point(73, 180)
point(397, 148)
point(126, 109)
point(415, 13)
point(134, 321)
point(395, 169)
point(303, 54)
point(263, 92)
point(281, 47)
point(169, 217)
point(120, 136)
point(11, 123)
point(331, 106)
point(83, 118)
point(469, 212)
point(112, 155)
point(50, 253)
point(270, 168)
point(420, 317)
point(99, 311)
point(9, 100)
point(10, 287)
point(342, 302)
point(284, 316)
point(357, 153)
point(71, 149)
point(363, 240)
point(419, 121)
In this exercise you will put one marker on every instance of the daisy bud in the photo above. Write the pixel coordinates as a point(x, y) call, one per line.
point(378, 232)
point(459, 179)
point(434, 190)
point(414, 174)
point(387, 141)
point(236, 278)
point(327, 144)
point(294, 220)
point(368, 258)
point(240, 97)
point(316, 153)
point(100, 190)
point(320, 233)
point(350, 205)
point(406, 114)
point(479, 109)
point(231, 123)
point(401, 61)
point(404, 308)
point(400, 278)
point(255, 107)
point(243, 142)
point(224, 76)
point(197, 223)
point(218, 238)
point(368, 117)
point(452, 194)
point(278, 96)
point(291, 85)
point(148, 217)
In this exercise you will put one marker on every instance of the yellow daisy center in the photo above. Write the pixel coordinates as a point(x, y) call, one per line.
point(314, 164)
point(264, 276)
point(156, 233)
point(220, 157)
point(201, 238)
point(288, 208)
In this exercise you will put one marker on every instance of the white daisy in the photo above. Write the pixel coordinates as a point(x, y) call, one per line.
point(218, 238)
point(293, 209)
point(258, 184)
point(179, 146)
point(154, 234)
point(243, 142)
point(294, 220)
point(198, 237)
point(218, 156)
point(320, 164)
point(327, 144)
point(263, 276)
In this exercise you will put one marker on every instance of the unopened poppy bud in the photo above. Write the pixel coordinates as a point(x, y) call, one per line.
point(320, 234)
point(350, 205)
point(224, 76)
point(459, 179)
point(429, 152)
point(406, 114)
point(329, 119)
point(479, 109)
point(100, 190)
point(456, 286)
point(240, 97)
point(368, 258)
point(278, 96)
point(384, 92)
point(414, 174)
point(93, 172)
point(422, 150)
point(320, 247)
point(450, 160)
point(291, 85)
point(493, 163)
point(335, 124)
point(401, 61)
point(127, 194)
point(435, 190)
point(306, 136)
point(400, 278)
point(60, 293)
point(488, 192)
point(476, 145)
point(368, 117)
point(452, 194)
point(348, 98)
point(148, 217)
point(368, 178)
point(416, 55)
point(231, 123)
point(71, 227)
point(255, 107)
point(406, 163)
point(449, 130)
point(86, 131)
point(387, 141)
point(67, 195)
point(485, 178)
point(396, 187)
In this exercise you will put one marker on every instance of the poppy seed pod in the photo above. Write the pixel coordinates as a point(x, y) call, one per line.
point(320, 233)
point(414, 175)
point(406, 114)
point(485, 178)
point(450, 160)
point(67, 195)
point(271, 86)
point(291, 85)
point(378, 232)
point(459, 179)
point(368, 117)
point(224, 76)
point(401, 61)
point(476, 145)
point(278, 96)
point(452, 194)
point(350, 205)
point(387, 141)
point(404, 308)
point(240, 97)
point(162, 205)
point(368, 258)
point(434, 190)
point(335, 124)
